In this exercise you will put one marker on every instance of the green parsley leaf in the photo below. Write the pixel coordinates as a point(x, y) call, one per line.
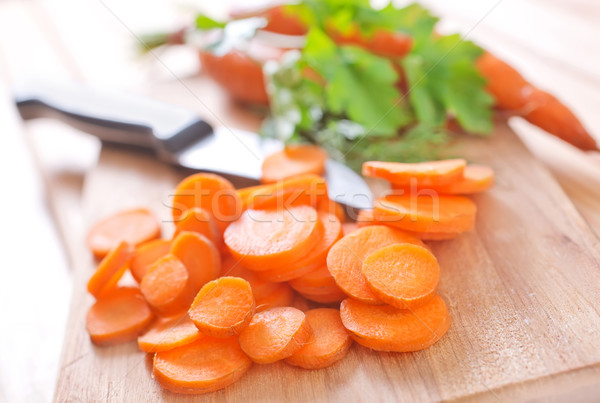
point(204, 22)
point(358, 83)
point(443, 80)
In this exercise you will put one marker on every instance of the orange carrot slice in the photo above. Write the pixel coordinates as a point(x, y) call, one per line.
point(169, 333)
point(203, 366)
point(110, 270)
point(283, 295)
point(332, 207)
point(316, 257)
point(145, 255)
point(476, 179)
point(266, 239)
point(132, 226)
point(199, 256)
point(329, 298)
point(318, 281)
point(212, 193)
point(167, 286)
point(118, 317)
point(260, 288)
point(223, 307)
point(346, 257)
point(287, 273)
point(198, 220)
point(305, 190)
point(385, 328)
point(293, 161)
point(329, 343)
point(245, 194)
point(441, 214)
point(299, 302)
point(366, 218)
point(275, 334)
point(402, 275)
point(432, 173)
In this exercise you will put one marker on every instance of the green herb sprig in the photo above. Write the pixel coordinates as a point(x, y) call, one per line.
point(348, 100)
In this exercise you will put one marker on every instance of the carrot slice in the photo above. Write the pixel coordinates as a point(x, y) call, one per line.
point(318, 281)
point(346, 257)
point(476, 179)
point(402, 275)
point(275, 334)
point(315, 258)
point(366, 218)
point(118, 317)
point(246, 193)
point(330, 298)
point(324, 290)
point(167, 286)
point(385, 328)
point(198, 220)
point(203, 366)
point(332, 207)
point(283, 295)
point(260, 288)
point(301, 190)
point(133, 226)
point(223, 307)
point(293, 161)
point(329, 343)
point(266, 239)
point(430, 173)
point(145, 255)
point(454, 214)
point(213, 193)
point(283, 274)
point(169, 333)
point(110, 270)
point(199, 256)
point(299, 302)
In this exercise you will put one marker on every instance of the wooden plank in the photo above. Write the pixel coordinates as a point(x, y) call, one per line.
point(522, 291)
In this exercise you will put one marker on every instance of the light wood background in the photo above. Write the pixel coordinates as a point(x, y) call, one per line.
point(44, 164)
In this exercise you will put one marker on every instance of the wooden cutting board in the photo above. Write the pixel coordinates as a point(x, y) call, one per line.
point(523, 290)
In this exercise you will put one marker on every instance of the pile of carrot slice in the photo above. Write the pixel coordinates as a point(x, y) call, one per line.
point(428, 198)
point(272, 272)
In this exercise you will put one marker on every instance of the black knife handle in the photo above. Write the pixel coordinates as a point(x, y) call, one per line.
point(116, 118)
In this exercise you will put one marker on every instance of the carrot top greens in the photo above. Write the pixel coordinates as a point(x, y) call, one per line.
point(368, 83)
point(353, 105)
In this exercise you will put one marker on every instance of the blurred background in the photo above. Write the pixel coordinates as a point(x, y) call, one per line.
point(554, 43)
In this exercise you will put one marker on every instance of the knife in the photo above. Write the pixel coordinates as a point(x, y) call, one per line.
point(175, 135)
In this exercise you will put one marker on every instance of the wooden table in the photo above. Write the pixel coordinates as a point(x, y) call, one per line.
point(91, 40)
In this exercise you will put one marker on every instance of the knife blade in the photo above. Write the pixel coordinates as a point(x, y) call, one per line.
point(176, 135)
